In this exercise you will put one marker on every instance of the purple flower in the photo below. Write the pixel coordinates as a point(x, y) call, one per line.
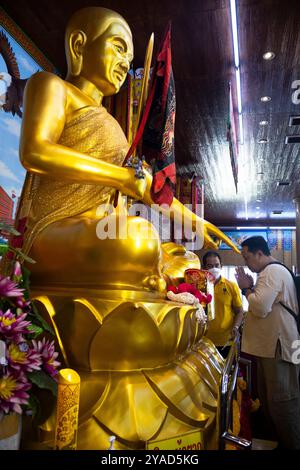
point(23, 360)
point(9, 288)
point(13, 327)
point(22, 303)
point(13, 388)
point(48, 355)
point(22, 355)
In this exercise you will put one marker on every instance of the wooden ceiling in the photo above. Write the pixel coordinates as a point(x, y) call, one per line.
point(203, 65)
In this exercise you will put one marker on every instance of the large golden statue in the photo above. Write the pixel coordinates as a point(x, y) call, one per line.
point(146, 373)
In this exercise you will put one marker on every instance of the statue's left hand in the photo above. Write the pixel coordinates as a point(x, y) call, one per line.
point(211, 231)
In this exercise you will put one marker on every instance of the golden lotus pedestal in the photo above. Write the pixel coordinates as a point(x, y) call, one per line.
point(147, 373)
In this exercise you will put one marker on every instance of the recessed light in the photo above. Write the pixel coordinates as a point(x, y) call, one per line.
point(268, 55)
point(249, 228)
point(263, 123)
point(264, 99)
point(257, 207)
point(294, 121)
point(263, 141)
point(292, 139)
point(258, 200)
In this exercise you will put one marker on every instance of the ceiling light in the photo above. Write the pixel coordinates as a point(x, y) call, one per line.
point(283, 215)
point(283, 228)
point(251, 228)
point(294, 121)
point(238, 88)
point(258, 200)
point(260, 176)
point(234, 28)
point(268, 55)
point(241, 128)
point(292, 139)
point(257, 207)
point(263, 123)
point(263, 141)
point(264, 99)
point(234, 33)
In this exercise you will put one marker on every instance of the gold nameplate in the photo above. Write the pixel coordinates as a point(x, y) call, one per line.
point(189, 441)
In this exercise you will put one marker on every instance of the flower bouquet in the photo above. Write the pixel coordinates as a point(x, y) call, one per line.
point(28, 360)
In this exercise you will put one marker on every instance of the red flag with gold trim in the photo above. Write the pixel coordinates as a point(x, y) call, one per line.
point(157, 127)
point(158, 135)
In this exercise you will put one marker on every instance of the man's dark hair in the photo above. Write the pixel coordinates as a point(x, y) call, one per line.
point(255, 244)
point(208, 255)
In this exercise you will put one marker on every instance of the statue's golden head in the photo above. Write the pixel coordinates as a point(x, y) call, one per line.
point(99, 48)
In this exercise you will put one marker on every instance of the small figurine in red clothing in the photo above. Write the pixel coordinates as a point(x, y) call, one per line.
point(246, 406)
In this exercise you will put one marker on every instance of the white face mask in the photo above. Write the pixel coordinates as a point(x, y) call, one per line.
point(215, 272)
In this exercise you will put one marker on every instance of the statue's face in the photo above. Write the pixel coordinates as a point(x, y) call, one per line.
point(107, 59)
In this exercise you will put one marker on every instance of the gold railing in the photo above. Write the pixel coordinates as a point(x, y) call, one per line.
point(227, 390)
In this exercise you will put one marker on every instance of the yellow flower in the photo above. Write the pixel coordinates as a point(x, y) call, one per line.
point(7, 387)
point(7, 321)
point(15, 354)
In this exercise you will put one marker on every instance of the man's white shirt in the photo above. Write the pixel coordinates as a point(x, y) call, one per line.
point(267, 321)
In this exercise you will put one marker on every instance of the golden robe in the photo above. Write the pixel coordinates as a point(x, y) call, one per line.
point(46, 199)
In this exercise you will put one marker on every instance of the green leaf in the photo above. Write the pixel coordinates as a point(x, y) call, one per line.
point(35, 330)
point(34, 405)
point(8, 228)
point(3, 249)
point(37, 318)
point(25, 277)
point(42, 380)
point(22, 255)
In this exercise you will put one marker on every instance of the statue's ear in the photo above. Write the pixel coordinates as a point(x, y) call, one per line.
point(77, 42)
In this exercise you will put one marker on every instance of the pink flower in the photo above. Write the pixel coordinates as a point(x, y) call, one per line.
point(13, 327)
point(22, 358)
point(13, 388)
point(8, 288)
point(22, 303)
point(17, 272)
point(48, 355)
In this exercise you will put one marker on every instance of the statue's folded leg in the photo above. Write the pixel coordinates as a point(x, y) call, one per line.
point(118, 252)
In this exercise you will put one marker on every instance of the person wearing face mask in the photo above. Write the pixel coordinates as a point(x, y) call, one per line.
point(228, 305)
